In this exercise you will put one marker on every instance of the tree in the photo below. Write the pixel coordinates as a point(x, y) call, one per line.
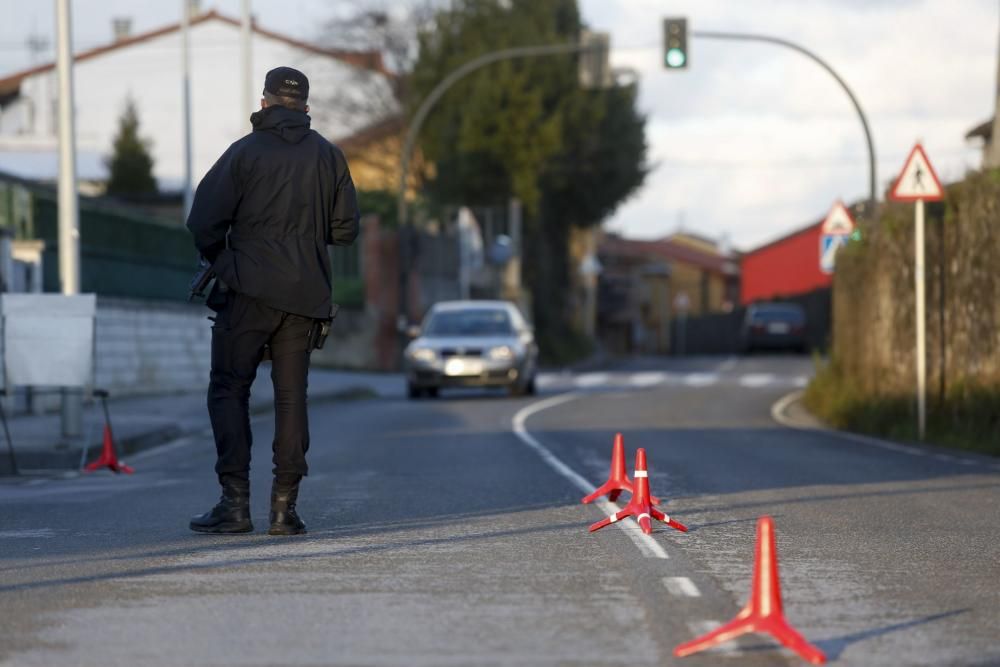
point(130, 166)
point(525, 128)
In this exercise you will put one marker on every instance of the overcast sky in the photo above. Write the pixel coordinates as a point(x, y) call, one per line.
point(752, 140)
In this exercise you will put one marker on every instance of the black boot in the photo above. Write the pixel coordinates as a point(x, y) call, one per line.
point(284, 519)
point(231, 514)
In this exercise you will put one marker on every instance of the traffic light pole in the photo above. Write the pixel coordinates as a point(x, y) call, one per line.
point(405, 228)
point(747, 37)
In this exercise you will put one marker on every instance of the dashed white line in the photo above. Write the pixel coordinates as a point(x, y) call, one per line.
point(756, 379)
point(800, 381)
point(946, 458)
point(646, 544)
point(700, 379)
point(681, 587)
point(591, 379)
point(647, 379)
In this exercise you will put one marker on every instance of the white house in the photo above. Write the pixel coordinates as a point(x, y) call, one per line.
point(147, 68)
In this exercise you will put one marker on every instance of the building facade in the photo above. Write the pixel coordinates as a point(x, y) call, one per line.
point(784, 267)
point(146, 69)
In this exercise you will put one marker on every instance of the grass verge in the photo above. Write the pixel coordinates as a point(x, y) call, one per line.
point(966, 417)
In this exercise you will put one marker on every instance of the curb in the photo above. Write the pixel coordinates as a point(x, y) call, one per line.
point(68, 459)
point(779, 414)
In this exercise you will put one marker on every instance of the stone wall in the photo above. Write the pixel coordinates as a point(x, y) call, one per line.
point(873, 295)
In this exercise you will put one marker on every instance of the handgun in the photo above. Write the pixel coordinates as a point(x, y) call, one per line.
point(201, 280)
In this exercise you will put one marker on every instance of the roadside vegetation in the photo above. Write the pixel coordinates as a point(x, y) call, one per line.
point(968, 417)
point(870, 383)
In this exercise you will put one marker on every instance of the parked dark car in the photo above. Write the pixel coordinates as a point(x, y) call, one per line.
point(774, 326)
point(472, 344)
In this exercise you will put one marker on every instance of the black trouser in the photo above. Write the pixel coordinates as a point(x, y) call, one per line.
point(242, 328)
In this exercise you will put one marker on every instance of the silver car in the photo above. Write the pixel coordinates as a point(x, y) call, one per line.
point(471, 344)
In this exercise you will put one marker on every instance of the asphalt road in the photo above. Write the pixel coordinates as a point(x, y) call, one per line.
point(440, 536)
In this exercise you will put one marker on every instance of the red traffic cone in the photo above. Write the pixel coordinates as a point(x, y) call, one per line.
point(618, 480)
point(762, 612)
point(108, 457)
point(640, 505)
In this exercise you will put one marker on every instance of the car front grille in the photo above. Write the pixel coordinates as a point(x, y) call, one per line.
point(461, 352)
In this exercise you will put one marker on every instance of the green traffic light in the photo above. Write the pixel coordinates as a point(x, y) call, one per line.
point(676, 58)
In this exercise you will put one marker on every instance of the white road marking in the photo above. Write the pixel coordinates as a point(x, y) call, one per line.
point(946, 458)
point(647, 379)
point(591, 379)
point(699, 628)
point(800, 381)
point(701, 379)
point(28, 533)
point(756, 379)
point(681, 587)
point(647, 545)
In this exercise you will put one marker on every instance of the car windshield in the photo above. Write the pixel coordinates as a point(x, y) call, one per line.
point(778, 314)
point(472, 322)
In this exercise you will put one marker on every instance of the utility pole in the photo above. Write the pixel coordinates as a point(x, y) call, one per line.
point(186, 101)
point(69, 215)
point(246, 54)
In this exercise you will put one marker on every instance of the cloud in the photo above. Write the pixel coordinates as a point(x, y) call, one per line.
point(754, 140)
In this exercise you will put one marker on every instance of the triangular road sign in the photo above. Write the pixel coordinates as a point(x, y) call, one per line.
point(838, 221)
point(918, 179)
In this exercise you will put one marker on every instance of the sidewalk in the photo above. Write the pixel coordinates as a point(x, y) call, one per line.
point(141, 423)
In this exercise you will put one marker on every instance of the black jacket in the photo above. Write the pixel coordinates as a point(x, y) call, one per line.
point(282, 194)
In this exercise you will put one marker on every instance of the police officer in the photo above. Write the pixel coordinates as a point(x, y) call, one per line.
point(263, 216)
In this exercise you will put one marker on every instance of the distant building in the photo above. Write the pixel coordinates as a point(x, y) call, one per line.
point(147, 68)
point(645, 285)
point(784, 267)
point(987, 131)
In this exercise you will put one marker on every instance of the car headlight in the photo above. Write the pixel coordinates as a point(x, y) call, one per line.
point(501, 353)
point(424, 354)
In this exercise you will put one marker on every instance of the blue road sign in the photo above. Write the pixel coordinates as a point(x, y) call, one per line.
point(829, 244)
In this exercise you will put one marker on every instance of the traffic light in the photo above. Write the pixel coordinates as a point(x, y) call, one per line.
point(675, 43)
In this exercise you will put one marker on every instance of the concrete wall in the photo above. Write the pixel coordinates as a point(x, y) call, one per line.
point(149, 347)
point(154, 347)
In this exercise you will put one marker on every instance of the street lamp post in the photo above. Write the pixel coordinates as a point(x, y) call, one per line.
point(747, 37)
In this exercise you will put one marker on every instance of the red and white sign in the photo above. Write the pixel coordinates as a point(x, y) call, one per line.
point(838, 221)
point(918, 180)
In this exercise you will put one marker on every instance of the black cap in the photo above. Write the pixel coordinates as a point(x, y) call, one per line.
point(287, 82)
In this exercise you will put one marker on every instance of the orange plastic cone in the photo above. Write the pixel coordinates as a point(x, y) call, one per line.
point(640, 506)
point(618, 480)
point(762, 612)
point(108, 457)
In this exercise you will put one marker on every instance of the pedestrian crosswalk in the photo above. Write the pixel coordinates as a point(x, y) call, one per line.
point(648, 379)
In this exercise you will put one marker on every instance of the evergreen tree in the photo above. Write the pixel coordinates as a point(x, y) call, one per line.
point(130, 165)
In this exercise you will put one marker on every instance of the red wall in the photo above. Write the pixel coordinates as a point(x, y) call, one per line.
point(786, 267)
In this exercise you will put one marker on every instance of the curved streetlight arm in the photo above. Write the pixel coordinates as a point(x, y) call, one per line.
point(442, 87)
point(737, 36)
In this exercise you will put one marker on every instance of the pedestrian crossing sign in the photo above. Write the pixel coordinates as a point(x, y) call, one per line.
point(918, 179)
point(829, 244)
point(838, 221)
